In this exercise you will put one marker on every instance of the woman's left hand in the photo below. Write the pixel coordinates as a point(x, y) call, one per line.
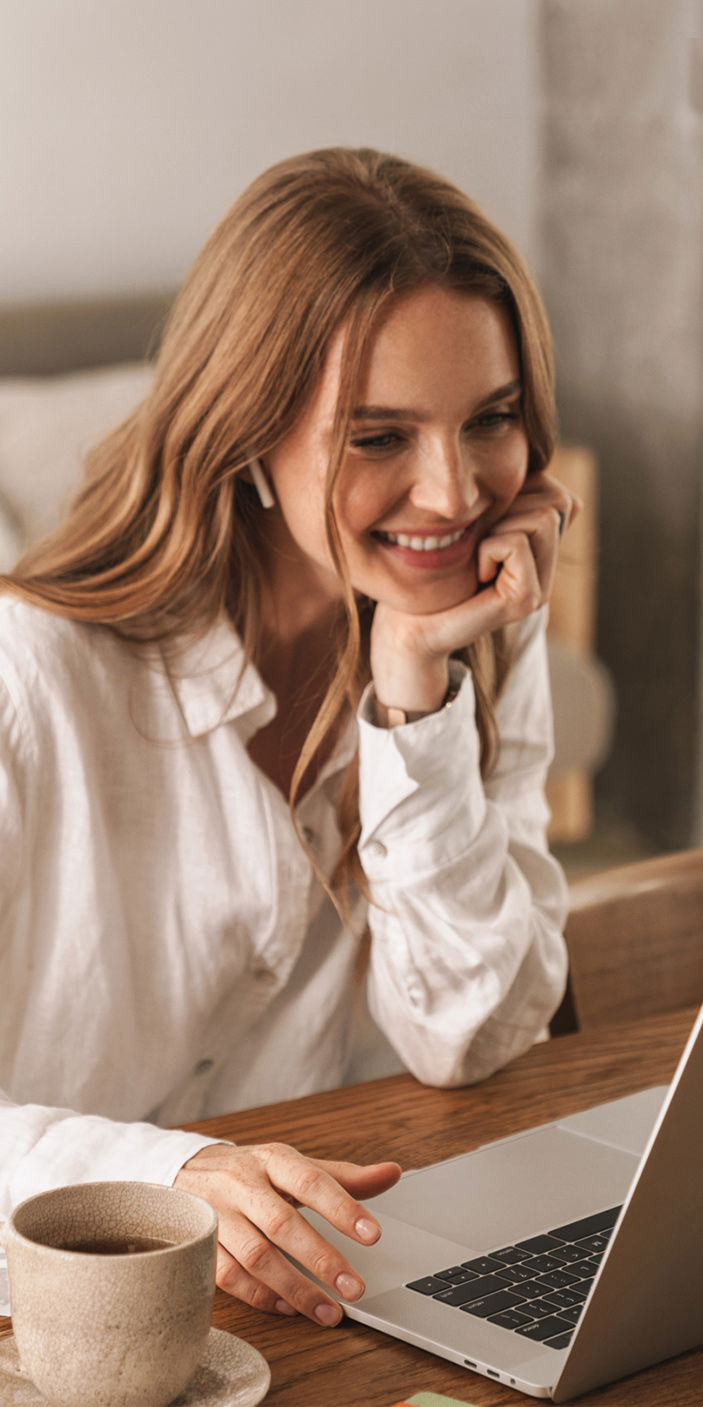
point(516, 562)
point(540, 513)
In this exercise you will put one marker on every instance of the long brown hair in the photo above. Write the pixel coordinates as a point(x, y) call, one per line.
point(165, 535)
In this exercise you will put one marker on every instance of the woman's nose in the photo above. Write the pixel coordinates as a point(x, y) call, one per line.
point(445, 482)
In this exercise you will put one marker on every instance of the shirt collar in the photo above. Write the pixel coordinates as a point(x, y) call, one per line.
point(213, 686)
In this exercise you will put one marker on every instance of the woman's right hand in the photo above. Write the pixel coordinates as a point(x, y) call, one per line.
point(515, 565)
point(255, 1190)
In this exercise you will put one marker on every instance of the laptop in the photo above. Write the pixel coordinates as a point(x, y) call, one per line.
point(556, 1260)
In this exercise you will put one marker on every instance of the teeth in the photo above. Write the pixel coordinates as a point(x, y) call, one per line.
point(423, 544)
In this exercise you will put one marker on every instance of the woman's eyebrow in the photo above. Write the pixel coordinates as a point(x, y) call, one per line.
point(501, 393)
point(384, 412)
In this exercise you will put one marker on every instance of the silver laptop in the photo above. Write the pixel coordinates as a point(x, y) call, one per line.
point(556, 1260)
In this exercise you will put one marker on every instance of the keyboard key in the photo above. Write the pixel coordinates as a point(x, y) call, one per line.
point(561, 1340)
point(428, 1286)
point(515, 1273)
point(491, 1304)
point(456, 1275)
point(483, 1265)
point(545, 1328)
point(601, 1221)
point(509, 1255)
point(539, 1309)
point(537, 1244)
point(571, 1314)
point(594, 1244)
point(567, 1253)
point(584, 1269)
point(558, 1279)
point(461, 1294)
point(567, 1297)
point(510, 1318)
point(530, 1289)
point(545, 1262)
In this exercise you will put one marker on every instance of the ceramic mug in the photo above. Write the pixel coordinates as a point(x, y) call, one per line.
point(111, 1288)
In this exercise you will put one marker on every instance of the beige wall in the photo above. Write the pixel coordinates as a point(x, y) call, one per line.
point(622, 269)
point(128, 126)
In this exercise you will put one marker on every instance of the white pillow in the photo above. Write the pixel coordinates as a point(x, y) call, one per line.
point(46, 426)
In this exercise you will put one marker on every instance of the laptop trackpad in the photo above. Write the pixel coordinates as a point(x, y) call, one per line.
point(623, 1123)
point(513, 1189)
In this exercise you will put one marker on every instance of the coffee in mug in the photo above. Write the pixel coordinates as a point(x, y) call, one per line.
point(111, 1290)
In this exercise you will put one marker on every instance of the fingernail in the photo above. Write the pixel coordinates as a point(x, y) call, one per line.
point(349, 1286)
point(328, 1314)
point(366, 1229)
point(283, 1307)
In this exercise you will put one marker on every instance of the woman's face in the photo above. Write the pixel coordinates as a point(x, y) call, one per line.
point(436, 453)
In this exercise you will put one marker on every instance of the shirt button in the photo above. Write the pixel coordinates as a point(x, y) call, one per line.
point(378, 850)
point(308, 835)
point(264, 974)
point(203, 1066)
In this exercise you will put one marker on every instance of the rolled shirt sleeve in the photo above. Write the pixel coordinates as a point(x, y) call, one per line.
point(467, 959)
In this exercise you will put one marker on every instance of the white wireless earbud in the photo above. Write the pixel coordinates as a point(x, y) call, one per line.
point(261, 483)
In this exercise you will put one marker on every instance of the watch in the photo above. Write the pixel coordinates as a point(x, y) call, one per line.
point(388, 716)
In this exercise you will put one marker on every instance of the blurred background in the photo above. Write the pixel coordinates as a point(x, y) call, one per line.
point(127, 128)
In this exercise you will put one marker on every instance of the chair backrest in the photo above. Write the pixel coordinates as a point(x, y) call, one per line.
point(635, 940)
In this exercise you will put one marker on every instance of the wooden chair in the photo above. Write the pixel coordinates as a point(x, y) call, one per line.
point(635, 940)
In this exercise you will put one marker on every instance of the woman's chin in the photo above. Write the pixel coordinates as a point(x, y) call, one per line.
point(426, 595)
point(435, 597)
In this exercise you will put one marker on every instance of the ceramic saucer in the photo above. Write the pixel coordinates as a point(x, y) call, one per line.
point(230, 1374)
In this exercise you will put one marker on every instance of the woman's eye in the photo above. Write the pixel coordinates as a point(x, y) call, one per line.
point(495, 419)
point(387, 439)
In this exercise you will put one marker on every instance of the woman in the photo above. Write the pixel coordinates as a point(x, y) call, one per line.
point(275, 715)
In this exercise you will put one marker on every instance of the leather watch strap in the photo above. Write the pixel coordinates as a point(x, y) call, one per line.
point(388, 716)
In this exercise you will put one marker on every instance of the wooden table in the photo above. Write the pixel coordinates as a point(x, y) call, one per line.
point(354, 1366)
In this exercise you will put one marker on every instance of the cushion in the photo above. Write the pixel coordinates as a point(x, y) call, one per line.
point(46, 426)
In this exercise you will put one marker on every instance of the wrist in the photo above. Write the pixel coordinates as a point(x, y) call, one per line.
point(413, 686)
point(390, 716)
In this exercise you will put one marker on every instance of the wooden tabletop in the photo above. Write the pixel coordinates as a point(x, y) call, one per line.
point(354, 1366)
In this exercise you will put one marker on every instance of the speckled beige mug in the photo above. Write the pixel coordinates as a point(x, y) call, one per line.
point(97, 1323)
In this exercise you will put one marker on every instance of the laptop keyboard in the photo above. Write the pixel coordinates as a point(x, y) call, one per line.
point(536, 1287)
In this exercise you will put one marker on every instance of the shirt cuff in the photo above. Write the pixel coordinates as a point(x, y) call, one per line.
point(421, 796)
point(89, 1148)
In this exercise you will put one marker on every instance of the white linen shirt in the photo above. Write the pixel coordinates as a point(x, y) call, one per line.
point(167, 952)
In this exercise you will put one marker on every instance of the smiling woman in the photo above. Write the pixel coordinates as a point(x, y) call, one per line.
point(437, 455)
point(330, 516)
point(427, 469)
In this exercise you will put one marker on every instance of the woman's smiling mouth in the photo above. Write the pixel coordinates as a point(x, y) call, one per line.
point(423, 544)
point(430, 551)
